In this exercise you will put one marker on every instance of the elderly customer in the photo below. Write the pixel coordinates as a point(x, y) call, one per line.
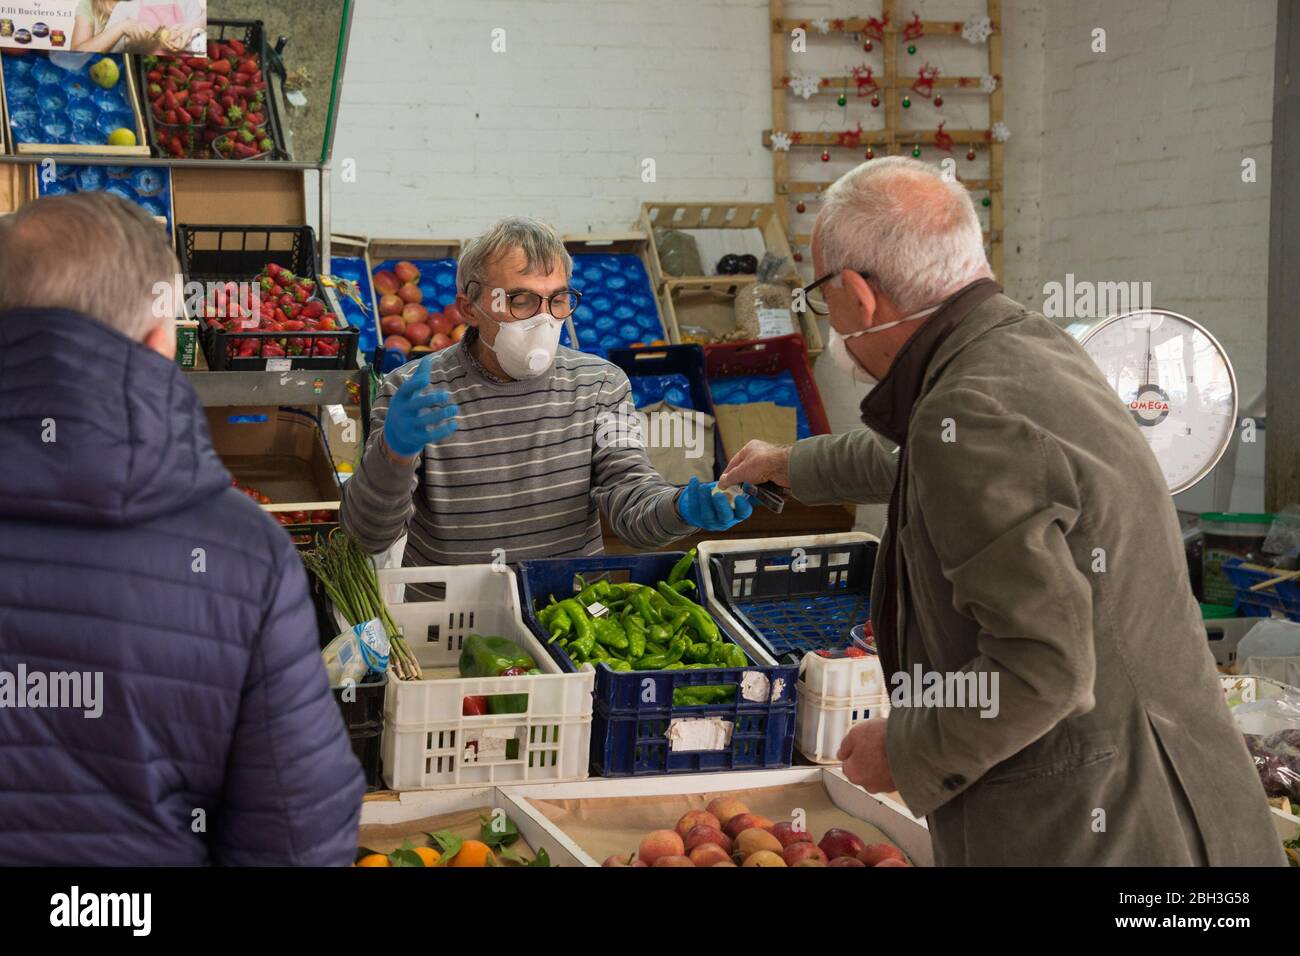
point(494, 448)
point(1106, 741)
point(162, 697)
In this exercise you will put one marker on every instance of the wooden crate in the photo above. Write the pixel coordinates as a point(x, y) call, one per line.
point(711, 305)
point(714, 215)
point(381, 250)
point(141, 147)
point(635, 243)
point(17, 186)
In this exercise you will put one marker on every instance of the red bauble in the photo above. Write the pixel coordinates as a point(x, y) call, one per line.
point(800, 207)
point(938, 101)
point(798, 257)
point(871, 153)
point(826, 155)
point(970, 153)
point(868, 46)
point(875, 101)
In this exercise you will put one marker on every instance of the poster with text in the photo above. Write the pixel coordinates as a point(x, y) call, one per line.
point(105, 26)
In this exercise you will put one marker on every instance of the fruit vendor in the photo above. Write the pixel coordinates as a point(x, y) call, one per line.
point(1031, 542)
point(491, 448)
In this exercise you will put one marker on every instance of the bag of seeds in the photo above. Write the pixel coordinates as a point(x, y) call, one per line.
point(763, 307)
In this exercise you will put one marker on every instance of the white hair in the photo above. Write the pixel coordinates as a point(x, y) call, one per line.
point(541, 245)
point(914, 233)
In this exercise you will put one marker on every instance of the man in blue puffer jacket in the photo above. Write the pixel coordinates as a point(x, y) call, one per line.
point(162, 696)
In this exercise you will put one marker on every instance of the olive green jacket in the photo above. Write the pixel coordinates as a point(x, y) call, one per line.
point(1039, 545)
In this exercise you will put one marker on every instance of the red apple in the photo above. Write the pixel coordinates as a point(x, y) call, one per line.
point(439, 322)
point(846, 861)
point(440, 342)
point(795, 852)
point(419, 333)
point(392, 325)
point(411, 294)
point(406, 272)
point(890, 862)
point(660, 843)
point(386, 283)
point(617, 861)
point(693, 818)
point(837, 842)
point(397, 342)
point(453, 313)
point(745, 821)
point(875, 853)
point(458, 332)
point(788, 835)
point(708, 854)
point(391, 305)
point(415, 313)
point(702, 833)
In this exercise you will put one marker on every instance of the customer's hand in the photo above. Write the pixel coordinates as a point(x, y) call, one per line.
point(866, 761)
point(699, 506)
point(417, 418)
point(756, 463)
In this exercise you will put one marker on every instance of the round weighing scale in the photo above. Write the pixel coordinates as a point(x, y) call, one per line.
point(1177, 382)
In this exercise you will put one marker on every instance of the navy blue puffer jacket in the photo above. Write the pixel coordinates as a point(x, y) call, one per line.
point(125, 551)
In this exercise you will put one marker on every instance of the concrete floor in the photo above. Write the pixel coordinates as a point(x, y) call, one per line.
point(312, 27)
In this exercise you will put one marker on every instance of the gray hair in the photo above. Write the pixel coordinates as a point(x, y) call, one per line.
point(899, 220)
point(92, 253)
point(540, 244)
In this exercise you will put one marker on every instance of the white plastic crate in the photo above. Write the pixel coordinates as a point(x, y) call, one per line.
point(821, 723)
point(719, 609)
point(843, 676)
point(427, 742)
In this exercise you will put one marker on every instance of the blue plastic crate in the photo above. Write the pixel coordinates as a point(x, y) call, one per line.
point(618, 305)
point(1283, 597)
point(353, 268)
point(800, 597)
point(780, 389)
point(638, 699)
point(664, 362)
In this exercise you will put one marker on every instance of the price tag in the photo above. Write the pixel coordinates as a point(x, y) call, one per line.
point(279, 364)
point(597, 609)
point(774, 322)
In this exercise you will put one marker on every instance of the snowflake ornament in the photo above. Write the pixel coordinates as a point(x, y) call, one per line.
point(976, 29)
point(780, 142)
point(822, 26)
point(988, 83)
point(805, 85)
point(1000, 132)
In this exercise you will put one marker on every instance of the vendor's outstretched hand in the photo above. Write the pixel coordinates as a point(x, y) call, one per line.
point(416, 418)
point(699, 506)
point(756, 463)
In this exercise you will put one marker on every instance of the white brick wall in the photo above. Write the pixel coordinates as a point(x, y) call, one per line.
point(1141, 159)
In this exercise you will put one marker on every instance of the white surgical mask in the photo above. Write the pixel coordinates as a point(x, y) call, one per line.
point(845, 360)
point(526, 347)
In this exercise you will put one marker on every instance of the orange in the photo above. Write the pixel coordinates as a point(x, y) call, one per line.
point(374, 859)
point(473, 854)
point(428, 854)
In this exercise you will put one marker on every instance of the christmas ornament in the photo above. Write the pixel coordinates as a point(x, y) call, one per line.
point(822, 26)
point(800, 207)
point(988, 83)
point(849, 138)
point(907, 102)
point(970, 153)
point(841, 100)
point(1000, 132)
point(863, 79)
point(804, 84)
point(876, 28)
point(942, 140)
point(871, 153)
point(837, 24)
point(826, 155)
point(923, 85)
point(875, 101)
point(911, 48)
point(780, 142)
point(976, 29)
point(916, 151)
point(798, 257)
point(913, 30)
point(868, 46)
point(938, 101)
point(986, 201)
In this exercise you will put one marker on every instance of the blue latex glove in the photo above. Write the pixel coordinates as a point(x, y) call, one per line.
point(699, 506)
point(416, 418)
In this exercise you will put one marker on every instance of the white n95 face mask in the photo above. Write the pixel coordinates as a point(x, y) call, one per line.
point(847, 363)
point(526, 347)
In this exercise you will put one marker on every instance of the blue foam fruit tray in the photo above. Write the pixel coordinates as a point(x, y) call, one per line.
point(618, 304)
point(51, 104)
point(147, 186)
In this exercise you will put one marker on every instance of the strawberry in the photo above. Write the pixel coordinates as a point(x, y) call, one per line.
point(313, 310)
point(266, 145)
point(248, 66)
point(328, 322)
point(155, 91)
point(237, 47)
point(221, 67)
point(233, 115)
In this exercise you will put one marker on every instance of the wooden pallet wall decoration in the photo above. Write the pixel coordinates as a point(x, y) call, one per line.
point(885, 130)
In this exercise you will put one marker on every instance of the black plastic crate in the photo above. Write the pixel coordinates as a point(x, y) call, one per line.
point(366, 710)
point(800, 597)
point(366, 745)
point(210, 254)
point(253, 35)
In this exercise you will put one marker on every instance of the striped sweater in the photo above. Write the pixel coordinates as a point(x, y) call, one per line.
point(524, 472)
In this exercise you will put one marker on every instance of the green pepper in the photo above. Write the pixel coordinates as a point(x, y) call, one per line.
point(580, 648)
point(676, 666)
point(659, 661)
point(482, 656)
point(578, 616)
point(618, 665)
point(699, 653)
point(559, 625)
point(669, 595)
point(681, 567)
point(681, 586)
point(659, 634)
point(598, 653)
point(703, 696)
point(699, 621)
point(610, 633)
point(648, 614)
point(636, 637)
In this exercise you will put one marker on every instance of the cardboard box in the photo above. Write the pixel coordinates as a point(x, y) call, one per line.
point(278, 452)
point(236, 195)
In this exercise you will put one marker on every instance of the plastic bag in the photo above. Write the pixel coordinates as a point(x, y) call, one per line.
point(763, 308)
point(678, 253)
point(356, 652)
point(1272, 731)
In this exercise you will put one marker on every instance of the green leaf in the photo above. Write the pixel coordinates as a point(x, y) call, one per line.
point(543, 858)
point(448, 845)
point(497, 838)
point(405, 857)
point(364, 851)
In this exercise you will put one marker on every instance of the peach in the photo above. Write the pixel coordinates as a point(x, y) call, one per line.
point(440, 341)
point(411, 294)
point(707, 854)
point(846, 861)
point(754, 840)
point(745, 821)
point(660, 843)
point(797, 852)
point(386, 283)
point(398, 343)
point(418, 333)
point(391, 305)
point(392, 325)
point(890, 861)
point(788, 835)
point(764, 858)
point(724, 808)
point(877, 852)
point(694, 818)
point(673, 861)
point(406, 272)
point(440, 323)
point(415, 313)
point(699, 835)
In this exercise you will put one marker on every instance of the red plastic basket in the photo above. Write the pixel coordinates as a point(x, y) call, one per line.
point(768, 357)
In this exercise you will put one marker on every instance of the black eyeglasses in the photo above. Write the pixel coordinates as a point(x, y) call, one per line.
point(525, 305)
point(817, 303)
